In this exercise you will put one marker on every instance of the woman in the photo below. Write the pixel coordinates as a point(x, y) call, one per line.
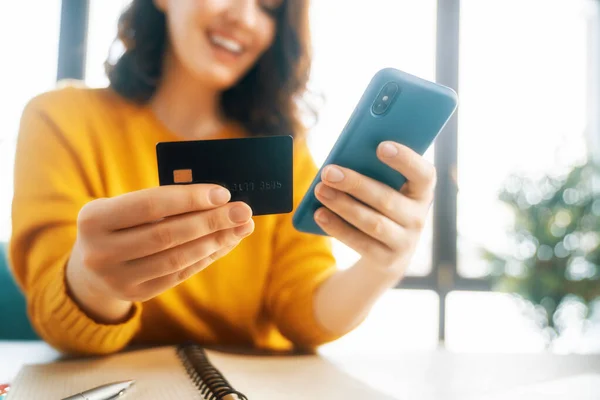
point(107, 258)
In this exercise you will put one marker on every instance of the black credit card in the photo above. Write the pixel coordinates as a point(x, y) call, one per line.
point(257, 171)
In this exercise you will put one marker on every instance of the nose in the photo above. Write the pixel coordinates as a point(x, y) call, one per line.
point(243, 12)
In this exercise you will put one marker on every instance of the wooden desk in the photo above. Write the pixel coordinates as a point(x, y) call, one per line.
point(417, 376)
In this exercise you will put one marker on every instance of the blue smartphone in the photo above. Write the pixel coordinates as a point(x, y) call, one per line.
point(395, 106)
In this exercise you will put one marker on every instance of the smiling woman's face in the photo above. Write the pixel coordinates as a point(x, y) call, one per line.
point(218, 41)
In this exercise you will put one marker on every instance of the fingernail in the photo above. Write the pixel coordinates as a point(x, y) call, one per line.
point(389, 150)
point(322, 217)
point(240, 214)
point(243, 230)
point(219, 196)
point(334, 174)
point(326, 192)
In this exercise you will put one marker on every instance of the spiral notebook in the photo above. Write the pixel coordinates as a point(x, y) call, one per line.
point(192, 372)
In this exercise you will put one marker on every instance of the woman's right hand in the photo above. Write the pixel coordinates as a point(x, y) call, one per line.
point(135, 246)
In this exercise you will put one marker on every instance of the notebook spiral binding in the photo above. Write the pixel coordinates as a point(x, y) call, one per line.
point(208, 379)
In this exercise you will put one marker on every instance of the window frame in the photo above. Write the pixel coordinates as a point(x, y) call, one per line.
point(72, 43)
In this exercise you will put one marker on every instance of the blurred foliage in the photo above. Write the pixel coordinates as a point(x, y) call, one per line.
point(555, 241)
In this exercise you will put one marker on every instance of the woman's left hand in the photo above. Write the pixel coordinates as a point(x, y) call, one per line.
point(386, 228)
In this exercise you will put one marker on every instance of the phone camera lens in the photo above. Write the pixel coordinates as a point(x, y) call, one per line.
point(379, 108)
point(385, 97)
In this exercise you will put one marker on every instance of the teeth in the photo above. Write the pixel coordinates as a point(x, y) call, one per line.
point(229, 44)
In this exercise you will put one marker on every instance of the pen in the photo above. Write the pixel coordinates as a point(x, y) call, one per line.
point(105, 392)
point(4, 389)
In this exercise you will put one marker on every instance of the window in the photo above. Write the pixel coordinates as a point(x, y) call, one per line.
point(523, 107)
point(402, 320)
point(22, 79)
point(481, 321)
point(102, 31)
point(523, 101)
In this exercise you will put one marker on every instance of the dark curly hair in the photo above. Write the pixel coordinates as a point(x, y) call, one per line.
point(268, 100)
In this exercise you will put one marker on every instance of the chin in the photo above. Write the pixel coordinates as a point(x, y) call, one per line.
point(218, 77)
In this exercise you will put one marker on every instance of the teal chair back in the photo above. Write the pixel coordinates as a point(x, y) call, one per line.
point(14, 323)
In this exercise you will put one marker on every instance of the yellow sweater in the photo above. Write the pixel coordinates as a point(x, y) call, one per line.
point(78, 144)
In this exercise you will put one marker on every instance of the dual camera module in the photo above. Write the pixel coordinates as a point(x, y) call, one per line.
point(385, 98)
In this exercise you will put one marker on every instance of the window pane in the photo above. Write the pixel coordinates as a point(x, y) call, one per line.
point(489, 322)
point(523, 103)
point(402, 320)
point(502, 323)
point(349, 47)
point(102, 31)
point(29, 68)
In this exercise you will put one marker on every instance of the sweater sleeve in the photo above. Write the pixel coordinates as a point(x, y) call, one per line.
point(301, 263)
point(50, 187)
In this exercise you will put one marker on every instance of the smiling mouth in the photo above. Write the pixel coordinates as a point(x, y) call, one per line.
point(225, 43)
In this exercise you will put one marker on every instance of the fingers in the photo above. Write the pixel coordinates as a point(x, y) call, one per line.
point(358, 241)
point(149, 205)
point(159, 285)
point(141, 241)
point(420, 174)
point(178, 277)
point(381, 197)
point(173, 262)
point(365, 219)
